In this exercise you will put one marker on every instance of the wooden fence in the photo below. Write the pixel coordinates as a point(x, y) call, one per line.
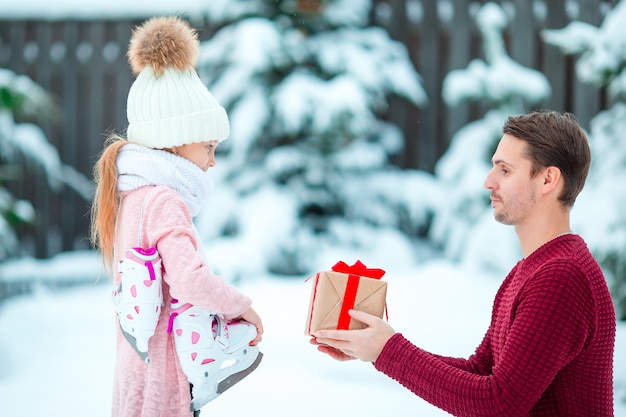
point(83, 64)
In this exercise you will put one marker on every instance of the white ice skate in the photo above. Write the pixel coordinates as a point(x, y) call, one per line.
point(213, 354)
point(138, 299)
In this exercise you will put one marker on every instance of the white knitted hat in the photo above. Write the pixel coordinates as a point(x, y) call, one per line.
point(168, 105)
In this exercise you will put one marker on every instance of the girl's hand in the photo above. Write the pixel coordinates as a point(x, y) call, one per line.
point(251, 316)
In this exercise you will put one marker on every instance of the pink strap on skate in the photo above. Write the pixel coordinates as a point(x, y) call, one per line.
point(170, 323)
point(150, 267)
point(149, 264)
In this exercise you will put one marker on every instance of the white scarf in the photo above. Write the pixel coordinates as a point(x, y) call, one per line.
point(139, 166)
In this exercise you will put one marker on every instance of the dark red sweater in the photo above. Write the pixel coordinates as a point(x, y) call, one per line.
point(548, 350)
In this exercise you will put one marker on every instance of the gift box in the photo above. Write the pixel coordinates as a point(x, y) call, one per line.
point(345, 287)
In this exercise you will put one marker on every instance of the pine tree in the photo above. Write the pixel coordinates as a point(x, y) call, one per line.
point(306, 84)
point(24, 149)
point(505, 88)
point(20, 97)
point(602, 62)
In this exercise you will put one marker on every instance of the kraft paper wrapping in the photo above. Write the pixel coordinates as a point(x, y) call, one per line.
point(327, 297)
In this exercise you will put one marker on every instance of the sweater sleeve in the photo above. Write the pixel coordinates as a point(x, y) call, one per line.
point(169, 227)
point(548, 328)
point(479, 363)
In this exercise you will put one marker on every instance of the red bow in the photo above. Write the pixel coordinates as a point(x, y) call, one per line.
point(358, 268)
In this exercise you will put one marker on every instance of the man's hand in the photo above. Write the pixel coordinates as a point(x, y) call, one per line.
point(365, 344)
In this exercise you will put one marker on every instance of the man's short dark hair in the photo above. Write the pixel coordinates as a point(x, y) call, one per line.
point(554, 139)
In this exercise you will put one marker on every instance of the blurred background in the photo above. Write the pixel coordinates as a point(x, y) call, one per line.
point(380, 116)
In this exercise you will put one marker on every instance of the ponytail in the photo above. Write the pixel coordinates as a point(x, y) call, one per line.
point(106, 200)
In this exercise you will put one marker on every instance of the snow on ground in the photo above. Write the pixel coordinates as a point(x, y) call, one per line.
point(56, 349)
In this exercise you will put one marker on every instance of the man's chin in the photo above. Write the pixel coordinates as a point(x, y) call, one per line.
point(501, 218)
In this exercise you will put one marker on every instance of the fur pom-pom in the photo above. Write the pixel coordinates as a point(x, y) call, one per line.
point(163, 42)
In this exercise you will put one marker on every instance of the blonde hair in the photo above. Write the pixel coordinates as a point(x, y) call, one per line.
point(106, 200)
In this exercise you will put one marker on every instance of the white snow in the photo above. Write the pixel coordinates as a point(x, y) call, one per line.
point(602, 49)
point(57, 346)
point(498, 79)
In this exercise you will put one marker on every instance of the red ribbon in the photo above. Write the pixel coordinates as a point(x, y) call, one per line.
point(355, 272)
point(358, 268)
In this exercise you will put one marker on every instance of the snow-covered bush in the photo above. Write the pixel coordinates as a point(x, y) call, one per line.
point(306, 85)
point(602, 50)
point(24, 147)
point(461, 224)
point(600, 214)
point(18, 96)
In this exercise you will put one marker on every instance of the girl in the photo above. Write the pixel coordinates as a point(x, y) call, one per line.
point(149, 187)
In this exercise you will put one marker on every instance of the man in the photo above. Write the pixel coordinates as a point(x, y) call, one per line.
point(549, 348)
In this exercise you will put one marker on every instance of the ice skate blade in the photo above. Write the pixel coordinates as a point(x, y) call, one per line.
point(133, 344)
point(227, 383)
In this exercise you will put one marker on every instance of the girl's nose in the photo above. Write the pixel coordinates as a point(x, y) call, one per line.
point(212, 161)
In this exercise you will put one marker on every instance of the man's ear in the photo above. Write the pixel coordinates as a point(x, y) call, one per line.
point(552, 179)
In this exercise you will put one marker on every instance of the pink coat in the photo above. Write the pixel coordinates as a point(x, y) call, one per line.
point(160, 388)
